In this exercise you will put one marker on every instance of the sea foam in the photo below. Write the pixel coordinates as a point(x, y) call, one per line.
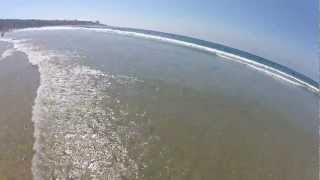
point(7, 53)
point(78, 119)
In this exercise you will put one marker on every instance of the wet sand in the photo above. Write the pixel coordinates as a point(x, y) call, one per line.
point(18, 85)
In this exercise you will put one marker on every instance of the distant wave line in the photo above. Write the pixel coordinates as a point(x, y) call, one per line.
point(290, 77)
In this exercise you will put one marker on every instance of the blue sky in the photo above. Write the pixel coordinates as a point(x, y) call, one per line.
point(282, 30)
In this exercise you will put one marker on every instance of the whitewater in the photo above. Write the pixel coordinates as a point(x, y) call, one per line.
point(273, 72)
point(75, 135)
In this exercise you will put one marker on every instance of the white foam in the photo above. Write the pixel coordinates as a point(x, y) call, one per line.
point(7, 53)
point(75, 118)
point(52, 28)
point(34, 56)
point(256, 65)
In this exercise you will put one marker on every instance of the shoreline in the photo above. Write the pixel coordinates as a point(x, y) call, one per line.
point(19, 80)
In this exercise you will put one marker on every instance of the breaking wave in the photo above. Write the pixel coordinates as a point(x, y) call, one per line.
point(82, 129)
point(278, 72)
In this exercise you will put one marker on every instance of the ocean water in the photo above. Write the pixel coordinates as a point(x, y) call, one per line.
point(120, 106)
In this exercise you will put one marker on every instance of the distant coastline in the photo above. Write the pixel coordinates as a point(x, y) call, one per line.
point(7, 25)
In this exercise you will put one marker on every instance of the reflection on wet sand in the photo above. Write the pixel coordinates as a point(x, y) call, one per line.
point(19, 81)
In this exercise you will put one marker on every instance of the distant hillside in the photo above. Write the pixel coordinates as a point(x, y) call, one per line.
point(9, 24)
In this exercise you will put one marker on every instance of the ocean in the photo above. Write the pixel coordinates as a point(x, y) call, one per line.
point(132, 104)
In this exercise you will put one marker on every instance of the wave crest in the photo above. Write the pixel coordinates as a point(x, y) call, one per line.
point(269, 70)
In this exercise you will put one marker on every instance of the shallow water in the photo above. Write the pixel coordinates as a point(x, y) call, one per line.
point(19, 81)
point(119, 107)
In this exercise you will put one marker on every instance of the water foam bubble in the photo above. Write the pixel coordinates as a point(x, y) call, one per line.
point(7, 53)
point(81, 126)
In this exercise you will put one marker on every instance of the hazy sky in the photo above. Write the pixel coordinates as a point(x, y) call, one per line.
point(281, 30)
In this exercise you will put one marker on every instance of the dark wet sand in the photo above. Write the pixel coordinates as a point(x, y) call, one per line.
point(18, 85)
